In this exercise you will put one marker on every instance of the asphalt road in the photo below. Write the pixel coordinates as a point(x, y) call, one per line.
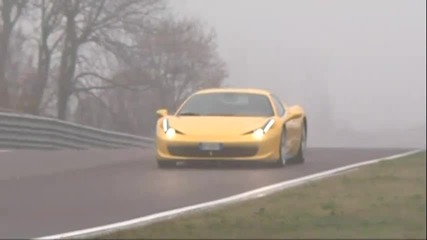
point(45, 193)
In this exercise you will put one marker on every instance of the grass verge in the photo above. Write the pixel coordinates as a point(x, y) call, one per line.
point(384, 200)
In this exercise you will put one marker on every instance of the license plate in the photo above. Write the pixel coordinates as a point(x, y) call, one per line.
point(210, 146)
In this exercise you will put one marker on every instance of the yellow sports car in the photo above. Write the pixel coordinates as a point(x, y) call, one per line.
point(228, 124)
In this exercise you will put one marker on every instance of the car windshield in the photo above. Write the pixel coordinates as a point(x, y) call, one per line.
point(227, 104)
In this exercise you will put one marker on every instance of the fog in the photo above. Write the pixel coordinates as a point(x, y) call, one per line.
point(357, 67)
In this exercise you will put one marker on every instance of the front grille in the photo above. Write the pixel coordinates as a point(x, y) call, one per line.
point(227, 151)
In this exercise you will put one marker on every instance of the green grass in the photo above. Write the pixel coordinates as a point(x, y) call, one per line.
point(384, 200)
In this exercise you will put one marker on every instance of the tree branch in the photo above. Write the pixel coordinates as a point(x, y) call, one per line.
point(133, 87)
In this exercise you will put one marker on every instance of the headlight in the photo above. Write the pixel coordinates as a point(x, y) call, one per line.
point(170, 132)
point(260, 132)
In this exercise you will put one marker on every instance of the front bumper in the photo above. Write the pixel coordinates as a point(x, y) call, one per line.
point(235, 148)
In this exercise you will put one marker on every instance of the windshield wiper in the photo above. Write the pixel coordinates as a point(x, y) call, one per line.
point(221, 114)
point(189, 114)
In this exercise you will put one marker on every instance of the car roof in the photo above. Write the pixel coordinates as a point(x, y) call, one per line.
point(234, 90)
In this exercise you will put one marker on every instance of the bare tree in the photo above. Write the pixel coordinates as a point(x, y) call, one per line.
point(49, 37)
point(105, 108)
point(20, 72)
point(10, 11)
point(181, 56)
point(175, 59)
point(90, 22)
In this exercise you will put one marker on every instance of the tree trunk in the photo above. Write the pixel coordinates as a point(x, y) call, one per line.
point(4, 88)
point(68, 62)
point(42, 77)
point(4, 53)
point(44, 57)
point(62, 103)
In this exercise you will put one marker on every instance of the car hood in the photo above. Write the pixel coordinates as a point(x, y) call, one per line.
point(216, 126)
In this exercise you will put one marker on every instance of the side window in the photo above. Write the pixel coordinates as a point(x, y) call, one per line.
point(279, 106)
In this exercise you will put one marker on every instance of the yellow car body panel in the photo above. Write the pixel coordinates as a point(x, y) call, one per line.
point(235, 133)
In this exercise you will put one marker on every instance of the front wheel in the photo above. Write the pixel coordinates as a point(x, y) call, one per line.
point(283, 151)
point(299, 158)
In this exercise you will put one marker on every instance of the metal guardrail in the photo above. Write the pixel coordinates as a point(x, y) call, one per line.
point(33, 132)
point(8, 110)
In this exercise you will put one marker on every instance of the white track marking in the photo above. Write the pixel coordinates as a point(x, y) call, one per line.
point(139, 222)
point(4, 151)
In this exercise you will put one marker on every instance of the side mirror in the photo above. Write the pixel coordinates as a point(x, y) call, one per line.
point(295, 112)
point(162, 113)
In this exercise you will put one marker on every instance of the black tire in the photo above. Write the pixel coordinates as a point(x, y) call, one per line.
point(279, 162)
point(299, 158)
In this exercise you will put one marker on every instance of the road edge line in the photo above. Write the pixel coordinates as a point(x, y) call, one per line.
point(252, 194)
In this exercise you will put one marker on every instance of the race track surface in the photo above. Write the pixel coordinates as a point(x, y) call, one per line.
point(44, 193)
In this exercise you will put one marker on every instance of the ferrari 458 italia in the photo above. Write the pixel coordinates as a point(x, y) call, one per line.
point(228, 124)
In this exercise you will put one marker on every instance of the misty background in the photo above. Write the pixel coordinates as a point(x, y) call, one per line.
point(357, 67)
